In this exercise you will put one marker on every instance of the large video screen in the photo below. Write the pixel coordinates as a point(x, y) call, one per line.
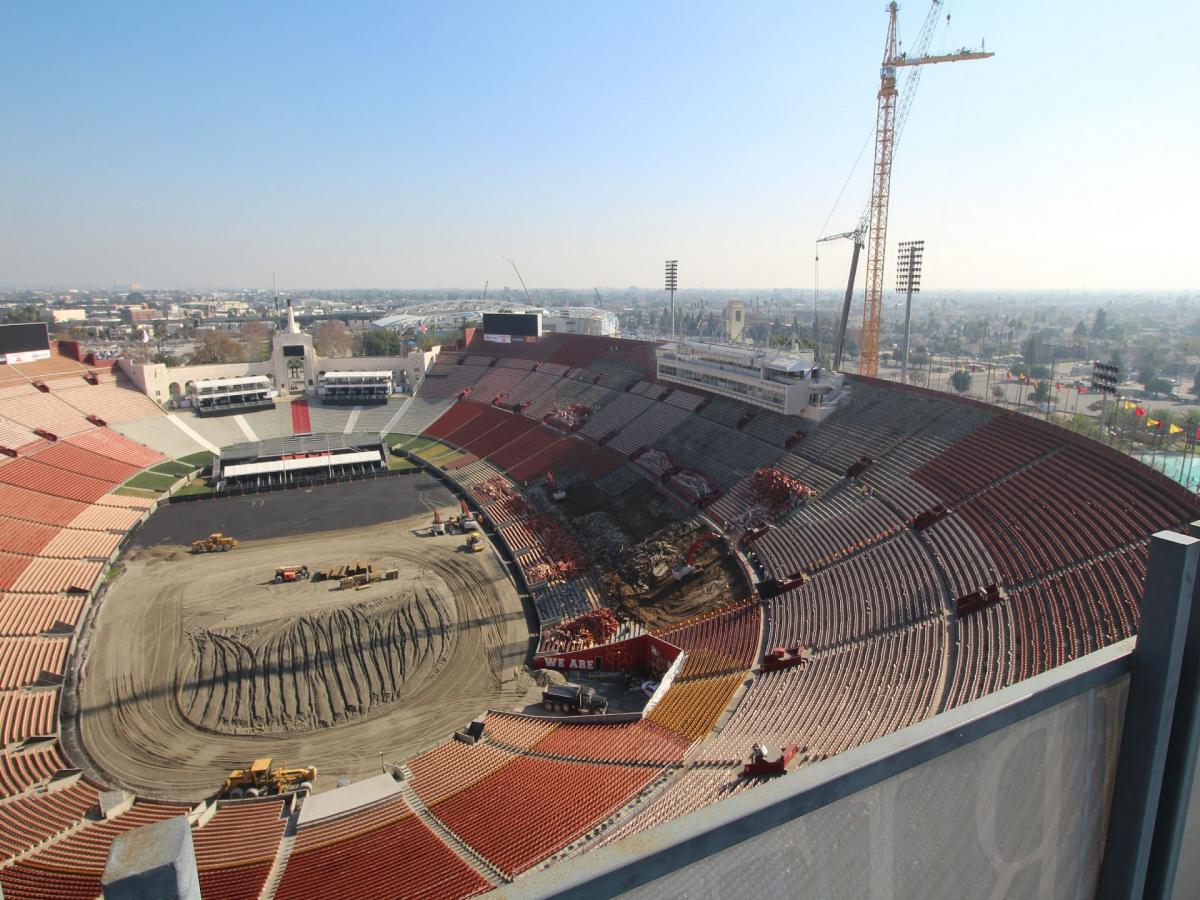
point(521, 325)
point(24, 342)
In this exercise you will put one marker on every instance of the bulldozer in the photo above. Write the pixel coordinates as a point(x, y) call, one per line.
point(260, 779)
point(214, 542)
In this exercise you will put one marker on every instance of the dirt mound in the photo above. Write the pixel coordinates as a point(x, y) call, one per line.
point(317, 670)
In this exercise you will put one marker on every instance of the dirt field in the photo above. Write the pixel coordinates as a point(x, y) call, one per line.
point(197, 664)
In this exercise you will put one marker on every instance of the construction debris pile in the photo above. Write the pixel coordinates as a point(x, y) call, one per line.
point(777, 491)
point(695, 487)
point(492, 490)
point(657, 463)
point(562, 558)
point(500, 502)
point(644, 566)
point(568, 418)
point(607, 544)
point(590, 629)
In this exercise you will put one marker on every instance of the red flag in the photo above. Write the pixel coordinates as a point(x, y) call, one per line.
point(1139, 412)
point(1082, 389)
point(1058, 387)
point(1198, 434)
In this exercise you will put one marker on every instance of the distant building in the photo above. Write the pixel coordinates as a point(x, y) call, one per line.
point(137, 314)
point(292, 369)
point(784, 381)
point(69, 315)
point(735, 320)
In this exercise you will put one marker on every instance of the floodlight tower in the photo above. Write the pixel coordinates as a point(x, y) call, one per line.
point(908, 279)
point(672, 285)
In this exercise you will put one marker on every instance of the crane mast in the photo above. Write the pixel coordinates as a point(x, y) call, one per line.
point(881, 185)
point(888, 124)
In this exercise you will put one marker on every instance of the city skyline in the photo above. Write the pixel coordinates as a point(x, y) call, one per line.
point(389, 147)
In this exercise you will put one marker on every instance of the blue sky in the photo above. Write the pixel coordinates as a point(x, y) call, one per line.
point(392, 145)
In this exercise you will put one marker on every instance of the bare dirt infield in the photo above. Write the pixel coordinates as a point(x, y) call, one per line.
point(342, 680)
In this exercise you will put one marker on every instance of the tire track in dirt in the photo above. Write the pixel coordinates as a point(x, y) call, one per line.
point(154, 662)
point(337, 660)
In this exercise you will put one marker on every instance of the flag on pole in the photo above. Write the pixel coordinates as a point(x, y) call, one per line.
point(1129, 404)
point(145, 335)
point(1153, 423)
point(1174, 429)
point(1138, 411)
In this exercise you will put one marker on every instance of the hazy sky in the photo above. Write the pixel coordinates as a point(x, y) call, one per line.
point(360, 145)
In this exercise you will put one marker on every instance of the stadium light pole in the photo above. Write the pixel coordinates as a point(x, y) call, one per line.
point(672, 285)
point(908, 279)
point(1104, 382)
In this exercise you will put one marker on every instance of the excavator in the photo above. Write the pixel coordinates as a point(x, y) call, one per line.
point(260, 779)
point(686, 566)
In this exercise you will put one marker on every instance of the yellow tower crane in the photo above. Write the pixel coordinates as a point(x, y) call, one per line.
point(889, 122)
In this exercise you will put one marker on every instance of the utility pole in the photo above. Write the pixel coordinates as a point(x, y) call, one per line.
point(908, 279)
point(672, 285)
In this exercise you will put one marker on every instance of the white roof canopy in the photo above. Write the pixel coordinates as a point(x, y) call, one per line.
point(296, 465)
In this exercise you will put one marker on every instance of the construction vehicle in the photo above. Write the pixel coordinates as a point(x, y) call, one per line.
point(572, 698)
point(438, 526)
point(261, 780)
point(214, 542)
point(778, 658)
point(290, 573)
point(686, 566)
point(466, 522)
point(556, 493)
point(767, 761)
point(474, 544)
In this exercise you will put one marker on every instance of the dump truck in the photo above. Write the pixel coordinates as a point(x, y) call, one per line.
point(474, 544)
point(260, 779)
point(290, 573)
point(214, 542)
point(572, 698)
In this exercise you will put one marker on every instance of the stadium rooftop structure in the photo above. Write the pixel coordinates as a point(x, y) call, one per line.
point(787, 382)
point(586, 320)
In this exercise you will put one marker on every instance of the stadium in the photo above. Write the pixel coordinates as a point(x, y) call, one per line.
point(755, 594)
